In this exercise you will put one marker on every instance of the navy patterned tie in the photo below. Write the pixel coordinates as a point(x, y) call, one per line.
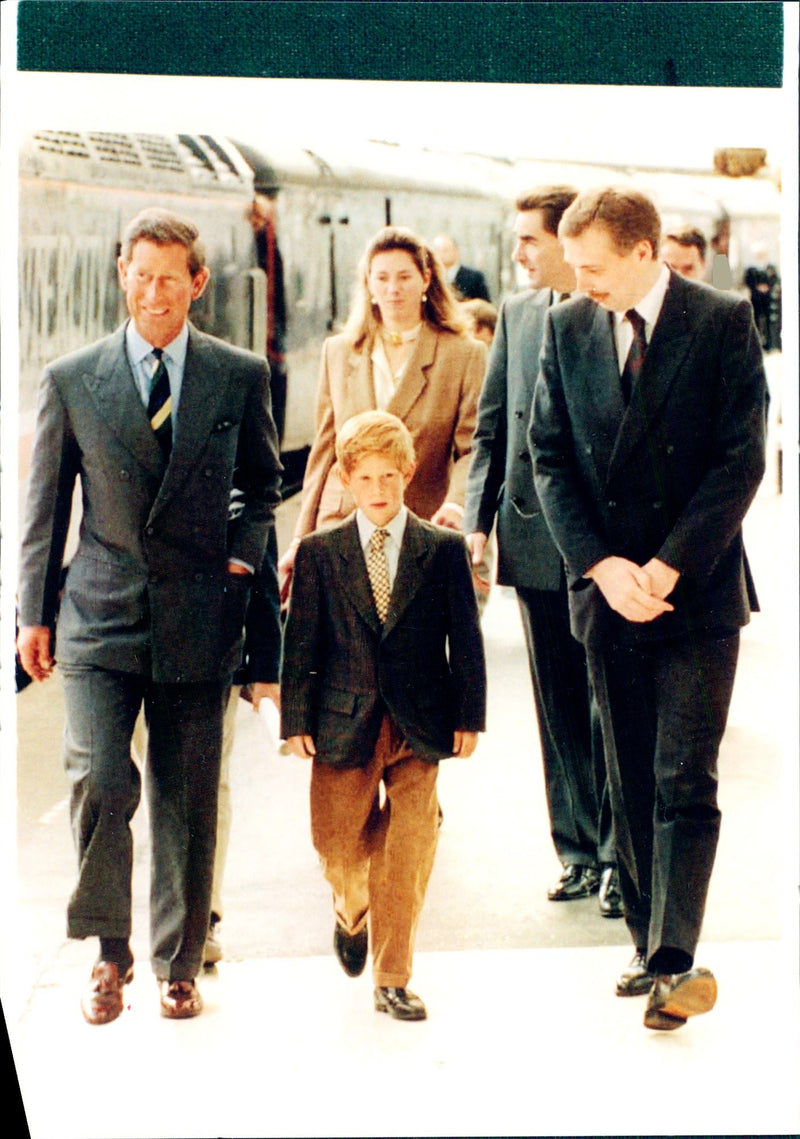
point(636, 353)
point(378, 571)
point(159, 407)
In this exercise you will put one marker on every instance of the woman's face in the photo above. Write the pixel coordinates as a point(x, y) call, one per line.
point(396, 285)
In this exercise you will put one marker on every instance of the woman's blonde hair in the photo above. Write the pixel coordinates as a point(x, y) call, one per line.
point(439, 308)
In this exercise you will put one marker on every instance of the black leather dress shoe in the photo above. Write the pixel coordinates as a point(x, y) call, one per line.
point(575, 882)
point(609, 897)
point(351, 949)
point(677, 996)
point(636, 980)
point(400, 1003)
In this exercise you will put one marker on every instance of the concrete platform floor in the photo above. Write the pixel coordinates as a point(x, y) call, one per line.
point(518, 1042)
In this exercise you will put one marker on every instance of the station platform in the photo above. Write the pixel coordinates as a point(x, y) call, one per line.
point(517, 1042)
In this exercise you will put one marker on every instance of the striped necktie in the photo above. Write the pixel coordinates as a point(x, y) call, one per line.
point(159, 406)
point(378, 571)
point(636, 354)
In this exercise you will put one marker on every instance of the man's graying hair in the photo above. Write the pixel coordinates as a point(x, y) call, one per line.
point(164, 228)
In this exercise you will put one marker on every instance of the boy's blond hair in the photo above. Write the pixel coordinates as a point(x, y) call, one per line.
point(375, 433)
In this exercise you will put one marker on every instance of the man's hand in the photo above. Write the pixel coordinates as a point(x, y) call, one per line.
point(35, 652)
point(663, 578)
point(286, 568)
point(235, 567)
point(477, 546)
point(628, 589)
point(259, 690)
point(449, 516)
point(464, 743)
point(302, 746)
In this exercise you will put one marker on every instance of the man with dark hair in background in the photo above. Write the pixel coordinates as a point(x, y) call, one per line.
point(500, 484)
point(684, 250)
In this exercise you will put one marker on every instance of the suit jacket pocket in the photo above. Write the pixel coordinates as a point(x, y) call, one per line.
point(335, 700)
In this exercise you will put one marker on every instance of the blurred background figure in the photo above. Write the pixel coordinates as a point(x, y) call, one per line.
point(482, 318)
point(763, 284)
point(468, 283)
point(405, 349)
point(261, 216)
point(684, 250)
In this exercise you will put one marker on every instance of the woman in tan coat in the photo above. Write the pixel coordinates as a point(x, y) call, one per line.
point(404, 349)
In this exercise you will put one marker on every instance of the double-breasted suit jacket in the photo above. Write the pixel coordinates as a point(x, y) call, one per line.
point(500, 481)
point(147, 590)
point(672, 475)
point(343, 670)
point(436, 398)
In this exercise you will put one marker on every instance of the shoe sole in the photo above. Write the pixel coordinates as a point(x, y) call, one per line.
point(693, 997)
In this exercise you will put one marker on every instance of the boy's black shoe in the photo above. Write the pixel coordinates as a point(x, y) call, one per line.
point(400, 1003)
point(351, 949)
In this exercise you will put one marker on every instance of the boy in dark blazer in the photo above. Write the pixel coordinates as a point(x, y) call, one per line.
point(383, 675)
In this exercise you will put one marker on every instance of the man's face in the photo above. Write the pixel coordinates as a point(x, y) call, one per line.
point(617, 281)
point(159, 289)
point(684, 259)
point(377, 485)
point(537, 250)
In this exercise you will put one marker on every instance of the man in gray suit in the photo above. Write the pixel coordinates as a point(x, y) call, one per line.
point(500, 484)
point(161, 424)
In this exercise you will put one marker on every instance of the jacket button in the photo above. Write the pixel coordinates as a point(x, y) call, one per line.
point(150, 531)
point(198, 577)
point(611, 504)
point(524, 457)
point(124, 474)
point(518, 415)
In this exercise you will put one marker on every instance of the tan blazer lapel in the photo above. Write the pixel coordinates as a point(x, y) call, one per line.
point(358, 381)
point(415, 378)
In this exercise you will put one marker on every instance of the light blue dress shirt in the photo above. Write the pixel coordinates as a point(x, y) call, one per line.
point(143, 364)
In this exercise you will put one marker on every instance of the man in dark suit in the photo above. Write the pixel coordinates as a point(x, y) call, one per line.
point(469, 284)
point(383, 675)
point(500, 485)
point(161, 424)
point(648, 440)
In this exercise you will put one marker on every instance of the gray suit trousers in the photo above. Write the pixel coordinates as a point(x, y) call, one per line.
point(185, 738)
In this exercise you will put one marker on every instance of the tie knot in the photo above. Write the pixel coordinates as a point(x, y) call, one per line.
point(378, 539)
point(636, 319)
point(158, 353)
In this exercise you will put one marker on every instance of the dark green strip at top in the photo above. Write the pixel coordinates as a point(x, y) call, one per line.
point(652, 44)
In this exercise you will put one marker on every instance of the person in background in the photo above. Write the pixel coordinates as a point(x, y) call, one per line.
point(383, 676)
point(467, 283)
point(160, 423)
point(684, 250)
point(648, 437)
point(500, 487)
point(405, 349)
point(482, 317)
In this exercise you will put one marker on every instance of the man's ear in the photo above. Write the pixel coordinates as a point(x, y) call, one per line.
point(199, 282)
point(344, 477)
point(409, 473)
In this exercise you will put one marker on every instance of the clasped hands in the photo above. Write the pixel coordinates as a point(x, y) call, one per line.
point(637, 593)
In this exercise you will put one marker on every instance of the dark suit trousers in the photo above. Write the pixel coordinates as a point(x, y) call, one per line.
point(663, 709)
point(572, 753)
point(184, 743)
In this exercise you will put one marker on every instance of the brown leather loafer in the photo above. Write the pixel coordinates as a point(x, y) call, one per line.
point(400, 1003)
point(180, 999)
point(677, 996)
point(636, 980)
point(102, 1001)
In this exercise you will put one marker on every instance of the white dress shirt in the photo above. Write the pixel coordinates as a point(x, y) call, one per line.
point(143, 364)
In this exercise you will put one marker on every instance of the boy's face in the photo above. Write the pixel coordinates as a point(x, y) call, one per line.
point(377, 484)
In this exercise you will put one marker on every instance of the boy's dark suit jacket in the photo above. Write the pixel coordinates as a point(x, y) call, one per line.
point(342, 671)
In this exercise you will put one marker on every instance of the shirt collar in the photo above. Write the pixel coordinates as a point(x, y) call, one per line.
point(396, 527)
point(650, 305)
point(139, 348)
